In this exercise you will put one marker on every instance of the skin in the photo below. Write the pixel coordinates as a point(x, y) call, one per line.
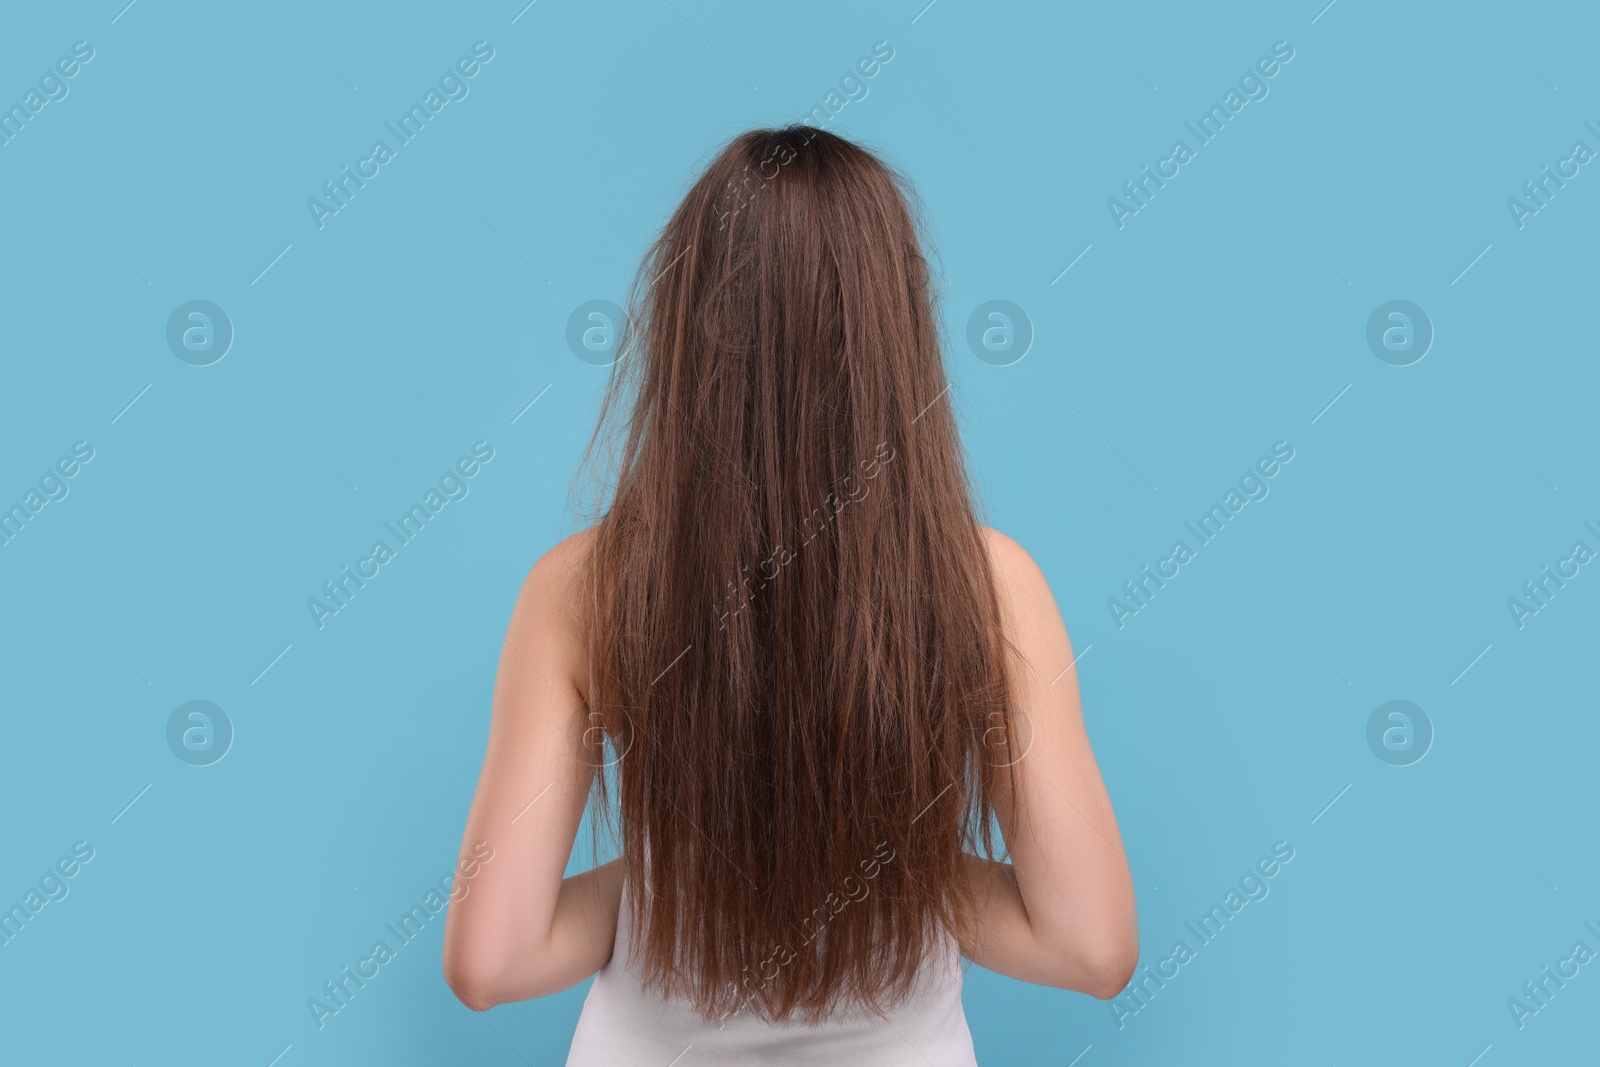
point(1061, 913)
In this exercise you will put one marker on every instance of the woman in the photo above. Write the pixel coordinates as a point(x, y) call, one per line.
point(812, 681)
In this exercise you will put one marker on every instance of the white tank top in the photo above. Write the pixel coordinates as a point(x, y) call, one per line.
point(624, 1025)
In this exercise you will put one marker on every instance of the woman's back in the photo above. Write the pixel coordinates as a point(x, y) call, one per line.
point(623, 1023)
point(791, 670)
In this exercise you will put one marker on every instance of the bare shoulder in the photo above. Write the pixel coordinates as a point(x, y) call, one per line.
point(1003, 549)
point(1015, 570)
point(549, 612)
point(567, 557)
point(1033, 621)
point(554, 582)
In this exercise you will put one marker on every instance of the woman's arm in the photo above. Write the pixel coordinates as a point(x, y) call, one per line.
point(1062, 912)
point(520, 930)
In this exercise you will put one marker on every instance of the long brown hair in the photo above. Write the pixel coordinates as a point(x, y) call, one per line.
point(795, 650)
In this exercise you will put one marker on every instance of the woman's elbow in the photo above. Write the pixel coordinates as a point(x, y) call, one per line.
point(1111, 969)
point(482, 985)
point(472, 984)
point(467, 990)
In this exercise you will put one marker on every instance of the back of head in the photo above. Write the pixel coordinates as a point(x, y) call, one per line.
point(794, 634)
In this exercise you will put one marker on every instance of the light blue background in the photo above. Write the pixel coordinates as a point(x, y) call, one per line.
point(1222, 318)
